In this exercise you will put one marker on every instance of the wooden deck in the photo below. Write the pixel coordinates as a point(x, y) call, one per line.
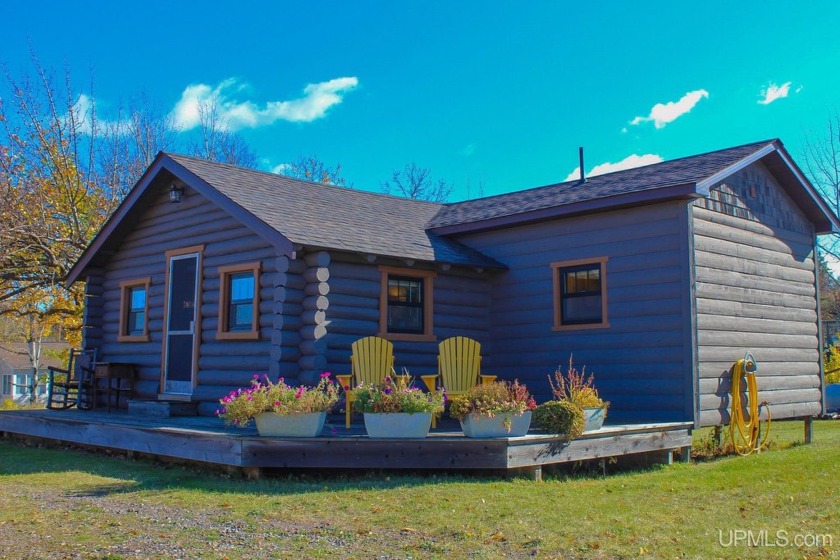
point(207, 440)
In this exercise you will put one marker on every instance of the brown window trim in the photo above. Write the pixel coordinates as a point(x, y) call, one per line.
point(558, 324)
point(225, 272)
point(125, 286)
point(428, 304)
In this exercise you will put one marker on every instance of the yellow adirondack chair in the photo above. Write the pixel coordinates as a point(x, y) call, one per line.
point(459, 365)
point(371, 361)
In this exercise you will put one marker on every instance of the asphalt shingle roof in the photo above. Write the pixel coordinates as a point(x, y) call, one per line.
point(318, 215)
point(675, 172)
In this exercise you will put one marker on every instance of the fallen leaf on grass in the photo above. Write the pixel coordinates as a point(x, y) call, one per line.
point(408, 530)
point(498, 536)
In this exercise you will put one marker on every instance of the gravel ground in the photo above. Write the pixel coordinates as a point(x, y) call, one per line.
point(137, 529)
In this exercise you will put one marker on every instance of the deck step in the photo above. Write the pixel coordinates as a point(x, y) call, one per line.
point(162, 409)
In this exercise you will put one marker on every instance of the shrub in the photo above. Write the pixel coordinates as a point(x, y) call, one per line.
point(832, 365)
point(560, 417)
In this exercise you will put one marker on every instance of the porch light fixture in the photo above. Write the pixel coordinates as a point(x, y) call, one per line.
point(176, 193)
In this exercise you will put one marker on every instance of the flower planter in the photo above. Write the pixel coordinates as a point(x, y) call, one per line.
point(398, 424)
point(480, 426)
point(290, 425)
point(594, 418)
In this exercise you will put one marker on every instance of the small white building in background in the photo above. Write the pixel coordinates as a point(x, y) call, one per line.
point(16, 370)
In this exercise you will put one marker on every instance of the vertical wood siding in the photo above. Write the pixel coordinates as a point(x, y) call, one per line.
point(642, 361)
point(222, 365)
point(755, 288)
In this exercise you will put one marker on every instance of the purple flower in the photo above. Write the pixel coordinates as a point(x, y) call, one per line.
point(387, 390)
point(256, 376)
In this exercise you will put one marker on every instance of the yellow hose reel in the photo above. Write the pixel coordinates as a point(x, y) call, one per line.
point(750, 438)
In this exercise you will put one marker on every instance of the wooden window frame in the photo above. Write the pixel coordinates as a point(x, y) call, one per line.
point(125, 289)
point(558, 299)
point(428, 277)
point(225, 274)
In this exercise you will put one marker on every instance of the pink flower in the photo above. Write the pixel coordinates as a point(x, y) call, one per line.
point(256, 376)
point(276, 403)
point(325, 375)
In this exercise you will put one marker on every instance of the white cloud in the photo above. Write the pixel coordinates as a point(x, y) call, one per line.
point(235, 114)
point(663, 113)
point(281, 168)
point(81, 117)
point(629, 162)
point(773, 92)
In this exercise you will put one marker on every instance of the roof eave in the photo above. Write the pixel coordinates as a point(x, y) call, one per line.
point(114, 220)
point(163, 161)
point(650, 196)
point(831, 222)
point(704, 186)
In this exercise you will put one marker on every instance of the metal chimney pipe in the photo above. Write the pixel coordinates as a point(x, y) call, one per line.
point(582, 172)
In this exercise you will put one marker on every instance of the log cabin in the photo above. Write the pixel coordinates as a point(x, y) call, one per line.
point(656, 279)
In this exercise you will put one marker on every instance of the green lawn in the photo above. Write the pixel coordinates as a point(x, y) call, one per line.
point(60, 503)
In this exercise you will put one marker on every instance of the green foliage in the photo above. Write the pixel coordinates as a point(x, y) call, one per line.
point(576, 386)
point(242, 405)
point(832, 365)
point(492, 399)
point(560, 417)
point(396, 396)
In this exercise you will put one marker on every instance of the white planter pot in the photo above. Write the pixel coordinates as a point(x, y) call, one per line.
point(290, 425)
point(832, 397)
point(594, 418)
point(480, 426)
point(398, 424)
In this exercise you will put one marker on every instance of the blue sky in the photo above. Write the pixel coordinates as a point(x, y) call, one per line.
point(489, 94)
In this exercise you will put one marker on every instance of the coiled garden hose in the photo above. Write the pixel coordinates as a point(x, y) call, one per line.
point(750, 439)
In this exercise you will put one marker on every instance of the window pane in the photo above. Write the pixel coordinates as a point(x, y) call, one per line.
point(405, 319)
point(241, 316)
point(242, 287)
point(138, 297)
point(136, 323)
point(405, 290)
point(586, 309)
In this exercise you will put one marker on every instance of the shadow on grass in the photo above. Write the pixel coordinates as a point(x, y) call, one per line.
point(141, 473)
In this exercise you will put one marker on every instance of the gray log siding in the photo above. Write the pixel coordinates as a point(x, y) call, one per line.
point(641, 362)
point(461, 307)
point(755, 289)
point(164, 226)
